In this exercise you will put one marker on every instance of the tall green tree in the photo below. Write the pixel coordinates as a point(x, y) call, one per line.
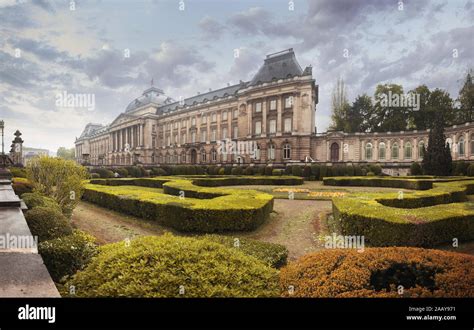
point(465, 112)
point(64, 153)
point(360, 115)
point(437, 158)
point(340, 107)
point(390, 115)
point(423, 118)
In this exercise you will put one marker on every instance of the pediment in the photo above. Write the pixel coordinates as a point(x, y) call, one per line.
point(123, 117)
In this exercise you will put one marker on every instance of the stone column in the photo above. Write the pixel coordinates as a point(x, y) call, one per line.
point(264, 117)
point(279, 111)
point(249, 119)
point(294, 120)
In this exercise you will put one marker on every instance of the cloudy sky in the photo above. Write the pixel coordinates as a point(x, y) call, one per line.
point(47, 49)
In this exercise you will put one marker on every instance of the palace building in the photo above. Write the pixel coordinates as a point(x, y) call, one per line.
point(275, 112)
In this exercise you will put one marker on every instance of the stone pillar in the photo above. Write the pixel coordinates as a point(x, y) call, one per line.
point(264, 117)
point(249, 119)
point(279, 111)
point(294, 120)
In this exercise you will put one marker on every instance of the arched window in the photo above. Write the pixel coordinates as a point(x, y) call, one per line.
point(462, 148)
point(213, 155)
point(183, 157)
point(271, 152)
point(421, 146)
point(203, 156)
point(257, 152)
point(286, 151)
point(408, 150)
point(368, 151)
point(381, 150)
point(395, 150)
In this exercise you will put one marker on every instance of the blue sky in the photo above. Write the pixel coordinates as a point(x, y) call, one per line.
point(191, 50)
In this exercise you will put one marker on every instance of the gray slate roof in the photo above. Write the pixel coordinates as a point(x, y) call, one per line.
point(279, 65)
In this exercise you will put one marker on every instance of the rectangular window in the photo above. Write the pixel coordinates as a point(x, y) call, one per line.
point(258, 127)
point(193, 121)
point(235, 114)
point(175, 124)
point(183, 123)
point(224, 115)
point(204, 119)
point(224, 133)
point(193, 137)
point(183, 138)
point(214, 117)
point(273, 104)
point(287, 125)
point(273, 125)
point(203, 136)
point(288, 102)
point(169, 140)
point(258, 107)
point(236, 132)
point(213, 134)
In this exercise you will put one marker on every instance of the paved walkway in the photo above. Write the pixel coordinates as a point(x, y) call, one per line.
point(22, 271)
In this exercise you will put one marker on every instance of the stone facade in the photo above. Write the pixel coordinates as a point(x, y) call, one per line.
point(274, 112)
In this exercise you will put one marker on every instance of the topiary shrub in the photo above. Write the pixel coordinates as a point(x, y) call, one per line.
point(370, 174)
point(158, 171)
point(227, 169)
point(237, 170)
point(122, 172)
point(415, 169)
point(460, 167)
point(470, 170)
point(378, 272)
point(315, 170)
point(170, 266)
point(271, 254)
point(323, 171)
point(248, 171)
point(306, 172)
point(221, 171)
point(268, 170)
point(376, 169)
point(47, 223)
point(349, 170)
point(35, 199)
point(18, 172)
point(65, 255)
point(95, 176)
point(296, 170)
point(103, 173)
point(21, 186)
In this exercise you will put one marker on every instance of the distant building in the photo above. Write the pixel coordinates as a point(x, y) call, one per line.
point(30, 153)
point(275, 112)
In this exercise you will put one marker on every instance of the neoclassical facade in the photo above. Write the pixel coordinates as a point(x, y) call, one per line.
point(274, 113)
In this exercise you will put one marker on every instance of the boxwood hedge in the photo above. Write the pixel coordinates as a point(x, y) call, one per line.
point(169, 266)
point(424, 218)
point(189, 203)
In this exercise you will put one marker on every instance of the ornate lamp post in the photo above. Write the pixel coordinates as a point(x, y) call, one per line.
point(2, 126)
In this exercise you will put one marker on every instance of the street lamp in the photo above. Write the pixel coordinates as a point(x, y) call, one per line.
point(2, 126)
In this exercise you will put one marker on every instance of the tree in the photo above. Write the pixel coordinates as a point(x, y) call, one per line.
point(465, 113)
point(360, 115)
point(340, 106)
point(390, 114)
point(59, 179)
point(437, 158)
point(423, 118)
point(68, 154)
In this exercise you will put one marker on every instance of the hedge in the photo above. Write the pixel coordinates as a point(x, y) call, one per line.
point(47, 223)
point(390, 182)
point(33, 200)
point(65, 255)
point(378, 272)
point(271, 254)
point(169, 266)
point(21, 186)
point(408, 221)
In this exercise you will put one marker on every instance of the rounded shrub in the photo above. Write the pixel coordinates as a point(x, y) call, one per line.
point(278, 172)
point(221, 171)
point(167, 265)
point(66, 255)
point(122, 172)
point(296, 170)
point(315, 170)
point(378, 272)
point(18, 172)
point(21, 186)
point(306, 171)
point(237, 170)
point(470, 170)
point(103, 173)
point(376, 169)
point(95, 176)
point(47, 223)
point(415, 169)
point(248, 171)
point(323, 172)
point(35, 199)
point(268, 170)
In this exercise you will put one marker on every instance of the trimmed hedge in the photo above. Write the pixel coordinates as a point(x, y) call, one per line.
point(389, 182)
point(21, 186)
point(378, 272)
point(47, 223)
point(33, 200)
point(271, 254)
point(65, 255)
point(425, 218)
point(169, 266)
